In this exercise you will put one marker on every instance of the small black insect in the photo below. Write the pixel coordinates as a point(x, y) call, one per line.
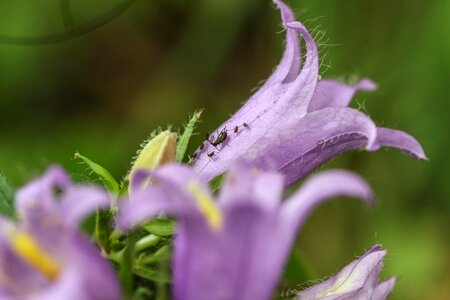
point(193, 158)
point(202, 146)
point(245, 125)
point(221, 137)
point(236, 129)
point(211, 154)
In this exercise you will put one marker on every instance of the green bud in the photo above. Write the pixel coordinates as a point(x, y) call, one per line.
point(158, 151)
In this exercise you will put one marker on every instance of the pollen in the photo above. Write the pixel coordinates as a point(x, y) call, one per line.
point(206, 205)
point(30, 251)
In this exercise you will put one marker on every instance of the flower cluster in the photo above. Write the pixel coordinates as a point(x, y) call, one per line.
point(231, 244)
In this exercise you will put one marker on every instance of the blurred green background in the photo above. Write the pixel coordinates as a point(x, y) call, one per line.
point(104, 92)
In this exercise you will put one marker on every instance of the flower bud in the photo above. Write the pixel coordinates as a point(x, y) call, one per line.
point(158, 151)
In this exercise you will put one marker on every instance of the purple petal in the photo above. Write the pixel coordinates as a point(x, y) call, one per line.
point(172, 174)
point(383, 290)
point(316, 138)
point(50, 208)
point(289, 66)
point(68, 287)
point(400, 140)
point(236, 263)
point(297, 146)
point(16, 275)
point(51, 205)
point(167, 194)
point(99, 278)
point(149, 203)
point(243, 183)
point(86, 275)
point(41, 191)
point(331, 93)
point(356, 281)
point(80, 201)
point(290, 63)
point(314, 191)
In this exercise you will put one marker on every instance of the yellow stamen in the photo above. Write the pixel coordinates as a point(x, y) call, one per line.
point(30, 251)
point(206, 205)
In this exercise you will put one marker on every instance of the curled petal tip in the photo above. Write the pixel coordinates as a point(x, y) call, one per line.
point(382, 291)
point(366, 84)
point(376, 247)
point(400, 140)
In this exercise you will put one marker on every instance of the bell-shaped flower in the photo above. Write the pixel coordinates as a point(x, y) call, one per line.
point(235, 247)
point(295, 122)
point(358, 280)
point(44, 255)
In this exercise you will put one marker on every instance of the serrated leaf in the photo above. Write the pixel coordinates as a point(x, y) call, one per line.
point(6, 197)
point(161, 227)
point(105, 176)
point(186, 136)
point(216, 182)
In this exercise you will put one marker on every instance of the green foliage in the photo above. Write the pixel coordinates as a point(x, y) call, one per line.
point(143, 293)
point(6, 197)
point(187, 134)
point(152, 269)
point(143, 261)
point(105, 176)
point(151, 274)
point(216, 182)
point(103, 218)
point(103, 229)
point(126, 261)
point(161, 227)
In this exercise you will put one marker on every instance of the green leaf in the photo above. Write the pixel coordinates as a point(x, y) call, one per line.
point(126, 266)
point(147, 242)
point(151, 274)
point(161, 227)
point(103, 229)
point(154, 268)
point(186, 136)
point(143, 293)
point(105, 176)
point(161, 255)
point(216, 182)
point(6, 197)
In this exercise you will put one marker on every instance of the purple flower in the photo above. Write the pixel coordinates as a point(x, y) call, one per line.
point(44, 256)
point(235, 247)
point(295, 122)
point(358, 280)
